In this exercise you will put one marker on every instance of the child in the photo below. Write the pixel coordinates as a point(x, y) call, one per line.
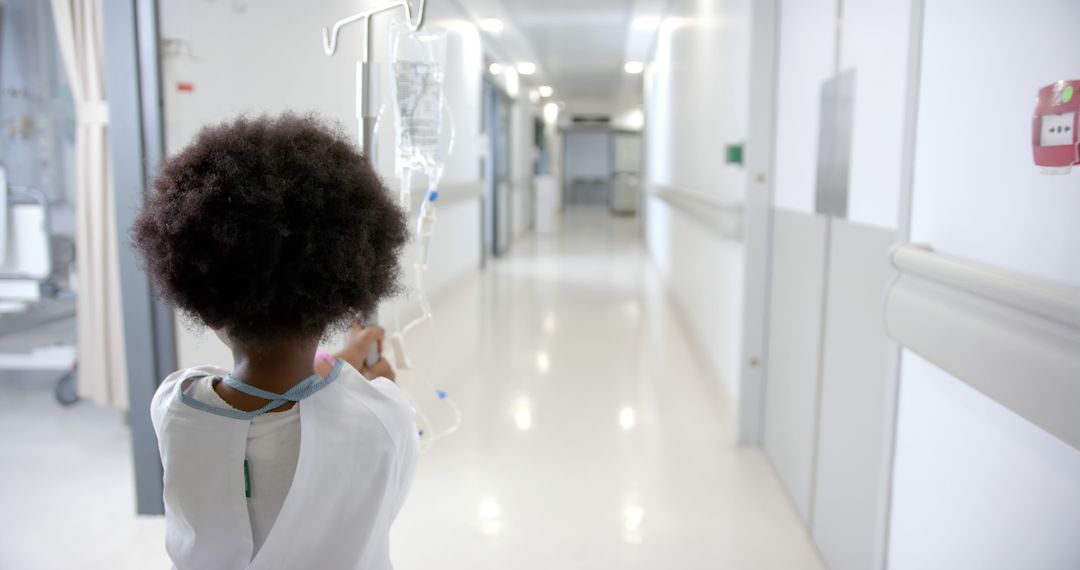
point(273, 231)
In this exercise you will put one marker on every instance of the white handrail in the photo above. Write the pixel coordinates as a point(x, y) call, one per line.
point(1012, 337)
point(1051, 300)
point(726, 218)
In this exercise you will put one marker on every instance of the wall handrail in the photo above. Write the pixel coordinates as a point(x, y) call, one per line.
point(723, 217)
point(1051, 300)
point(1013, 337)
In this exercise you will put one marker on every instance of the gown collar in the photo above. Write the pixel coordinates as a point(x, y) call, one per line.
point(301, 390)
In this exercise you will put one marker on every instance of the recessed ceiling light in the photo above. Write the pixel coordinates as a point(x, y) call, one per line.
point(526, 68)
point(551, 112)
point(646, 23)
point(635, 119)
point(492, 25)
point(545, 91)
point(512, 83)
point(634, 67)
point(495, 69)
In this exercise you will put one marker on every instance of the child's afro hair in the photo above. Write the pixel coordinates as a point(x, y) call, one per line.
point(271, 228)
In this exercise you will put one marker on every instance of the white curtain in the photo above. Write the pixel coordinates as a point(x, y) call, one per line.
point(102, 373)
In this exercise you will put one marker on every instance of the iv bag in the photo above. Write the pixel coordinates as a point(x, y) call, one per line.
point(417, 62)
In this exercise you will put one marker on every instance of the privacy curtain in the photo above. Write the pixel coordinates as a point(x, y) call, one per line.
point(102, 374)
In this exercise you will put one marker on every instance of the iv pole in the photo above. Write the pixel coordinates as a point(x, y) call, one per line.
point(367, 112)
point(367, 106)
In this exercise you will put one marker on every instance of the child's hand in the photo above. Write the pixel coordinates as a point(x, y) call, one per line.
point(381, 369)
point(359, 342)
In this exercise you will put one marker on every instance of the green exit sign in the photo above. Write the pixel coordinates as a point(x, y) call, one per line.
point(734, 154)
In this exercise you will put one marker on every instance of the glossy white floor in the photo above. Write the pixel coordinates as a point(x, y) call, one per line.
point(590, 438)
point(67, 486)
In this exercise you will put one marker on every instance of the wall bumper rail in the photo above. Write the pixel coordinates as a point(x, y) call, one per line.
point(1013, 337)
point(724, 218)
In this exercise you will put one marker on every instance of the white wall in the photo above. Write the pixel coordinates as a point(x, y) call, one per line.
point(628, 120)
point(856, 401)
point(794, 349)
point(831, 370)
point(707, 294)
point(874, 42)
point(807, 59)
point(976, 486)
point(699, 77)
point(696, 102)
point(267, 57)
point(1013, 216)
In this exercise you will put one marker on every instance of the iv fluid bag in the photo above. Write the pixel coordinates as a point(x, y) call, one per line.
point(417, 62)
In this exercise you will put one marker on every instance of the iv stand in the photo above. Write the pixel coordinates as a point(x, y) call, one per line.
point(367, 107)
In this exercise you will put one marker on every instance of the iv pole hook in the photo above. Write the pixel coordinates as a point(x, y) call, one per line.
point(330, 37)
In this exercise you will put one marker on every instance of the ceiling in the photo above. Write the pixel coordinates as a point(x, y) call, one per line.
point(578, 43)
point(579, 46)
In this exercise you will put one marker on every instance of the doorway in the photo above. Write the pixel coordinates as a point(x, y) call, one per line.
point(497, 173)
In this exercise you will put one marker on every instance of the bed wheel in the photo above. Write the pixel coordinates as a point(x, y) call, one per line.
point(65, 391)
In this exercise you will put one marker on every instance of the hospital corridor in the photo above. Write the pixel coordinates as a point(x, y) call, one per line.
point(539, 284)
point(658, 469)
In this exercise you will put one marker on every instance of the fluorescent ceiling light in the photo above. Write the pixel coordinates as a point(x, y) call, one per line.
point(526, 68)
point(495, 69)
point(492, 25)
point(634, 67)
point(546, 91)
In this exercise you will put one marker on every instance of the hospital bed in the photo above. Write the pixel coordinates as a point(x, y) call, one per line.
point(37, 306)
